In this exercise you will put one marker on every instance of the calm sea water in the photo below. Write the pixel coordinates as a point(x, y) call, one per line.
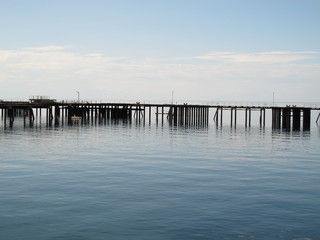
point(135, 181)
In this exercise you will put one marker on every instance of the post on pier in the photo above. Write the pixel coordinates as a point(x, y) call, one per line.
point(194, 115)
point(130, 113)
point(50, 115)
point(216, 116)
point(144, 114)
point(318, 118)
point(182, 109)
point(11, 116)
point(286, 117)
point(276, 118)
point(296, 118)
point(56, 115)
point(31, 117)
point(40, 110)
point(231, 114)
point(246, 117)
point(169, 115)
point(25, 114)
point(175, 115)
point(262, 119)
point(306, 119)
point(62, 115)
point(235, 117)
point(157, 114)
point(5, 116)
point(162, 117)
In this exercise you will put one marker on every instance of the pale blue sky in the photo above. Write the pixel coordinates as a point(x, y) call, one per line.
point(203, 50)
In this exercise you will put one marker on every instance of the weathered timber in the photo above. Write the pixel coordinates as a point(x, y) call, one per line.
point(289, 117)
point(296, 117)
point(306, 118)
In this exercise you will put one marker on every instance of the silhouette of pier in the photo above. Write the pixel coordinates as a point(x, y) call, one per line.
point(289, 117)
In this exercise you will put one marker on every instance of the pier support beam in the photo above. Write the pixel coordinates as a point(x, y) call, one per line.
point(276, 118)
point(231, 115)
point(248, 117)
point(318, 118)
point(149, 114)
point(11, 116)
point(306, 119)
point(286, 117)
point(56, 115)
point(175, 115)
point(296, 117)
point(262, 119)
point(31, 117)
point(216, 116)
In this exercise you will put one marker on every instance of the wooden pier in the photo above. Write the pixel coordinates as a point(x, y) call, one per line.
point(64, 112)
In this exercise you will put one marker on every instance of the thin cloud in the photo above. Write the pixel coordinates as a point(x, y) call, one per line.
point(290, 52)
point(46, 48)
point(225, 75)
point(261, 57)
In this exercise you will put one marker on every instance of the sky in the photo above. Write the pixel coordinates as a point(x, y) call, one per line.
point(153, 50)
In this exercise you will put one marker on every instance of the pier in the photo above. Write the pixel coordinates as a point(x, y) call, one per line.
point(289, 117)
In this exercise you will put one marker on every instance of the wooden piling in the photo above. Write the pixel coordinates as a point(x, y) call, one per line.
point(318, 118)
point(296, 118)
point(216, 116)
point(175, 115)
point(246, 118)
point(262, 119)
point(157, 114)
point(11, 116)
point(56, 115)
point(276, 118)
point(31, 117)
point(306, 119)
point(5, 117)
point(162, 115)
point(286, 115)
point(231, 116)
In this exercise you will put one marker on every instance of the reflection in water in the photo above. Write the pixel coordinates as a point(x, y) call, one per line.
point(125, 179)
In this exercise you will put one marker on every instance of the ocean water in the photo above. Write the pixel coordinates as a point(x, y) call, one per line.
point(134, 181)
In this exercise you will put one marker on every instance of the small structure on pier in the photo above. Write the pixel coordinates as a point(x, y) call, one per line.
point(41, 99)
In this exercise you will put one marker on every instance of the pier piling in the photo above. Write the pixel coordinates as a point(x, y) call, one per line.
point(306, 119)
point(296, 117)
